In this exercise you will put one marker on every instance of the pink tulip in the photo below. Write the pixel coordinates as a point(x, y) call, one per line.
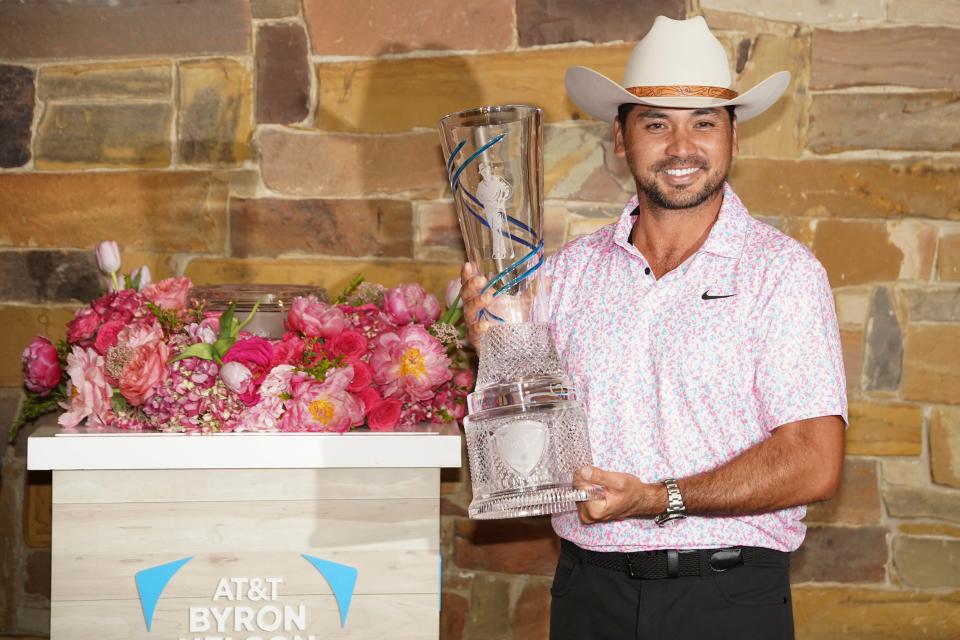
point(236, 376)
point(108, 257)
point(453, 291)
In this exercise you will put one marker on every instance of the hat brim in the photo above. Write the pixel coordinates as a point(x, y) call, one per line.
point(600, 96)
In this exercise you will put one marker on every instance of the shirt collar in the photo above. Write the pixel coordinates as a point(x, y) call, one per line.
point(725, 239)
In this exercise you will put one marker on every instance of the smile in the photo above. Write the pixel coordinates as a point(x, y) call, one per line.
point(682, 172)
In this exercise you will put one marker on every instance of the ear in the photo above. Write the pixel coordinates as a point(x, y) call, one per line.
point(619, 149)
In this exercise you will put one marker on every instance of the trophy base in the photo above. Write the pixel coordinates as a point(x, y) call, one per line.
point(535, 501)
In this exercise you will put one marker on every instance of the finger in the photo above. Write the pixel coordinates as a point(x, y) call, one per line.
point(468, 271)
point(473, 288)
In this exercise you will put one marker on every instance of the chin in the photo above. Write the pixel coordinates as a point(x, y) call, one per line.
point(684, 196)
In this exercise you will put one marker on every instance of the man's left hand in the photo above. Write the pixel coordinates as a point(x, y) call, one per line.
point(625, 496)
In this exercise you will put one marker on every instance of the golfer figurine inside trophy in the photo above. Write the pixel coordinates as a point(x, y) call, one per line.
point(526, 429)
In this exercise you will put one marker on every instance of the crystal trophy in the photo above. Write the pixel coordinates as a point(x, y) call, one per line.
point(526, 429)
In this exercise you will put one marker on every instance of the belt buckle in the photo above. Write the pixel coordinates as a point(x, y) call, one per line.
point(725, 559)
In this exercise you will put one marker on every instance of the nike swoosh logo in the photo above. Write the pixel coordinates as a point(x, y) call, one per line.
point(706, 296)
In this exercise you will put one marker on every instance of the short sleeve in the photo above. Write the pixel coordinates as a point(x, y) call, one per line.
point(800, 362)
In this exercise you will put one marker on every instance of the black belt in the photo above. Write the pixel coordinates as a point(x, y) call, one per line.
point(676, 563)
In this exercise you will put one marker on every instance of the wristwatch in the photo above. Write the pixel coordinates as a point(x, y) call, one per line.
point(675, 508)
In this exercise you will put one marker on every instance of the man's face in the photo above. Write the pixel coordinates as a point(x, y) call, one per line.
point(679, 158)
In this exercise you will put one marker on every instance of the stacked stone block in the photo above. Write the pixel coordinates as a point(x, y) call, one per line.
point(294, 141)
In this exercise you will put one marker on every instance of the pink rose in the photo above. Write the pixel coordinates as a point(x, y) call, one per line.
point(369, 397)
point(315, 319)
point(410, 361)
point(107, 336)
point(144, 373)
point(408, 303)
point(170, 293)
point(41, 366)
point(140, 334)
point(384, 415)
point(83, 327)
point(256, 354)
point(349, 343)
point(362, 375)
point(289, 350)
point(88, 392)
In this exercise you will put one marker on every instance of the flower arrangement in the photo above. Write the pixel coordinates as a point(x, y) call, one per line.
point(141, 358)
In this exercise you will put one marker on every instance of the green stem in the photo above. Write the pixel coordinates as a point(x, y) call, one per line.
point(116, 283)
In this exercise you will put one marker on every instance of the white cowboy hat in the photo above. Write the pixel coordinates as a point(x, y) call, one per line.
point(679, 63)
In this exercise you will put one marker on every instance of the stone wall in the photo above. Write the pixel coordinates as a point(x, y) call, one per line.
point(288, 141)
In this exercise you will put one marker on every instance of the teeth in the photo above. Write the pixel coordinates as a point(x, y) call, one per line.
point(681, 172)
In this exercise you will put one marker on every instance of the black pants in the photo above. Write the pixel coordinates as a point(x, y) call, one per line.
point(750, 602)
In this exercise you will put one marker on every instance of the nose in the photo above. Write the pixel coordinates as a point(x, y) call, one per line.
point(680, 143)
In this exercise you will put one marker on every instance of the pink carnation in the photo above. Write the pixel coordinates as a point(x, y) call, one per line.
point(410, 361)
point(107, 336)
point(369, 319)
point(170, 293)
point(88, 392)
point(321, 406)
point(124, 305)
point(315, 319)
point(408, 303)
point(41, 366)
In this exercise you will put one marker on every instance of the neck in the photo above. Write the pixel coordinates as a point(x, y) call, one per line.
point(667, 237)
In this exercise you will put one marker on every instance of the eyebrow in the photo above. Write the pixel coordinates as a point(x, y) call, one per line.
point(652, 114)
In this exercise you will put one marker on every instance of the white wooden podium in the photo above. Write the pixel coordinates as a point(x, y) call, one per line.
point(245, 536)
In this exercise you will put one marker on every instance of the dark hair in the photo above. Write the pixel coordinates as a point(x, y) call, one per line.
point(624, 110)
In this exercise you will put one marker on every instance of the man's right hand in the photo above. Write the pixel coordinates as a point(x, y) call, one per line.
point(472, 283)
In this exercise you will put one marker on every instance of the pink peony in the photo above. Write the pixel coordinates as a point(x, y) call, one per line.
point(362, 375)
point(315, 319)
point(88, 392)
point(170, 293)
point(41, 366)
point(410, 361)
point(83, 327)
point(463, 378)
point(408, 303)
point(144, 373)
point(349, 343)
point(107, 336)
point(384, 415)
point(321, 406)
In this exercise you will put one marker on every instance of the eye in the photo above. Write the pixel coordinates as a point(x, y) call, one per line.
point(655, 126)
point(705, 124)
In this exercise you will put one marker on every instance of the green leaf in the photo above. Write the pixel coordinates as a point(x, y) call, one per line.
point(34, 406)
point(200, 350)
point(118, 402)
point(228, 323)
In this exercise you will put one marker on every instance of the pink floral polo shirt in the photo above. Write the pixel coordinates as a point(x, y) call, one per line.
point(681, 374)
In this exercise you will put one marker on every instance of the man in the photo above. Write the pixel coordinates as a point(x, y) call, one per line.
point(706, 347)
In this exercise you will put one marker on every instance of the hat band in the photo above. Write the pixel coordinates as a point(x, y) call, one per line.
point(683, 90)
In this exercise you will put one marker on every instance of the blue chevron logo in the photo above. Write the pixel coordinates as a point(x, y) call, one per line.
point(342, 580)
point(151, 583)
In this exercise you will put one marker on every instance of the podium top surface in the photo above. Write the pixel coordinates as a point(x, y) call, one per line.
point(52, 448)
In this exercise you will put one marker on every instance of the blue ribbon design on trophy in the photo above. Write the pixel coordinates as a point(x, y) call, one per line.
point(534, 244)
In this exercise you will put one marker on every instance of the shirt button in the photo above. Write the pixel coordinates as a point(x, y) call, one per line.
point(647, 271)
